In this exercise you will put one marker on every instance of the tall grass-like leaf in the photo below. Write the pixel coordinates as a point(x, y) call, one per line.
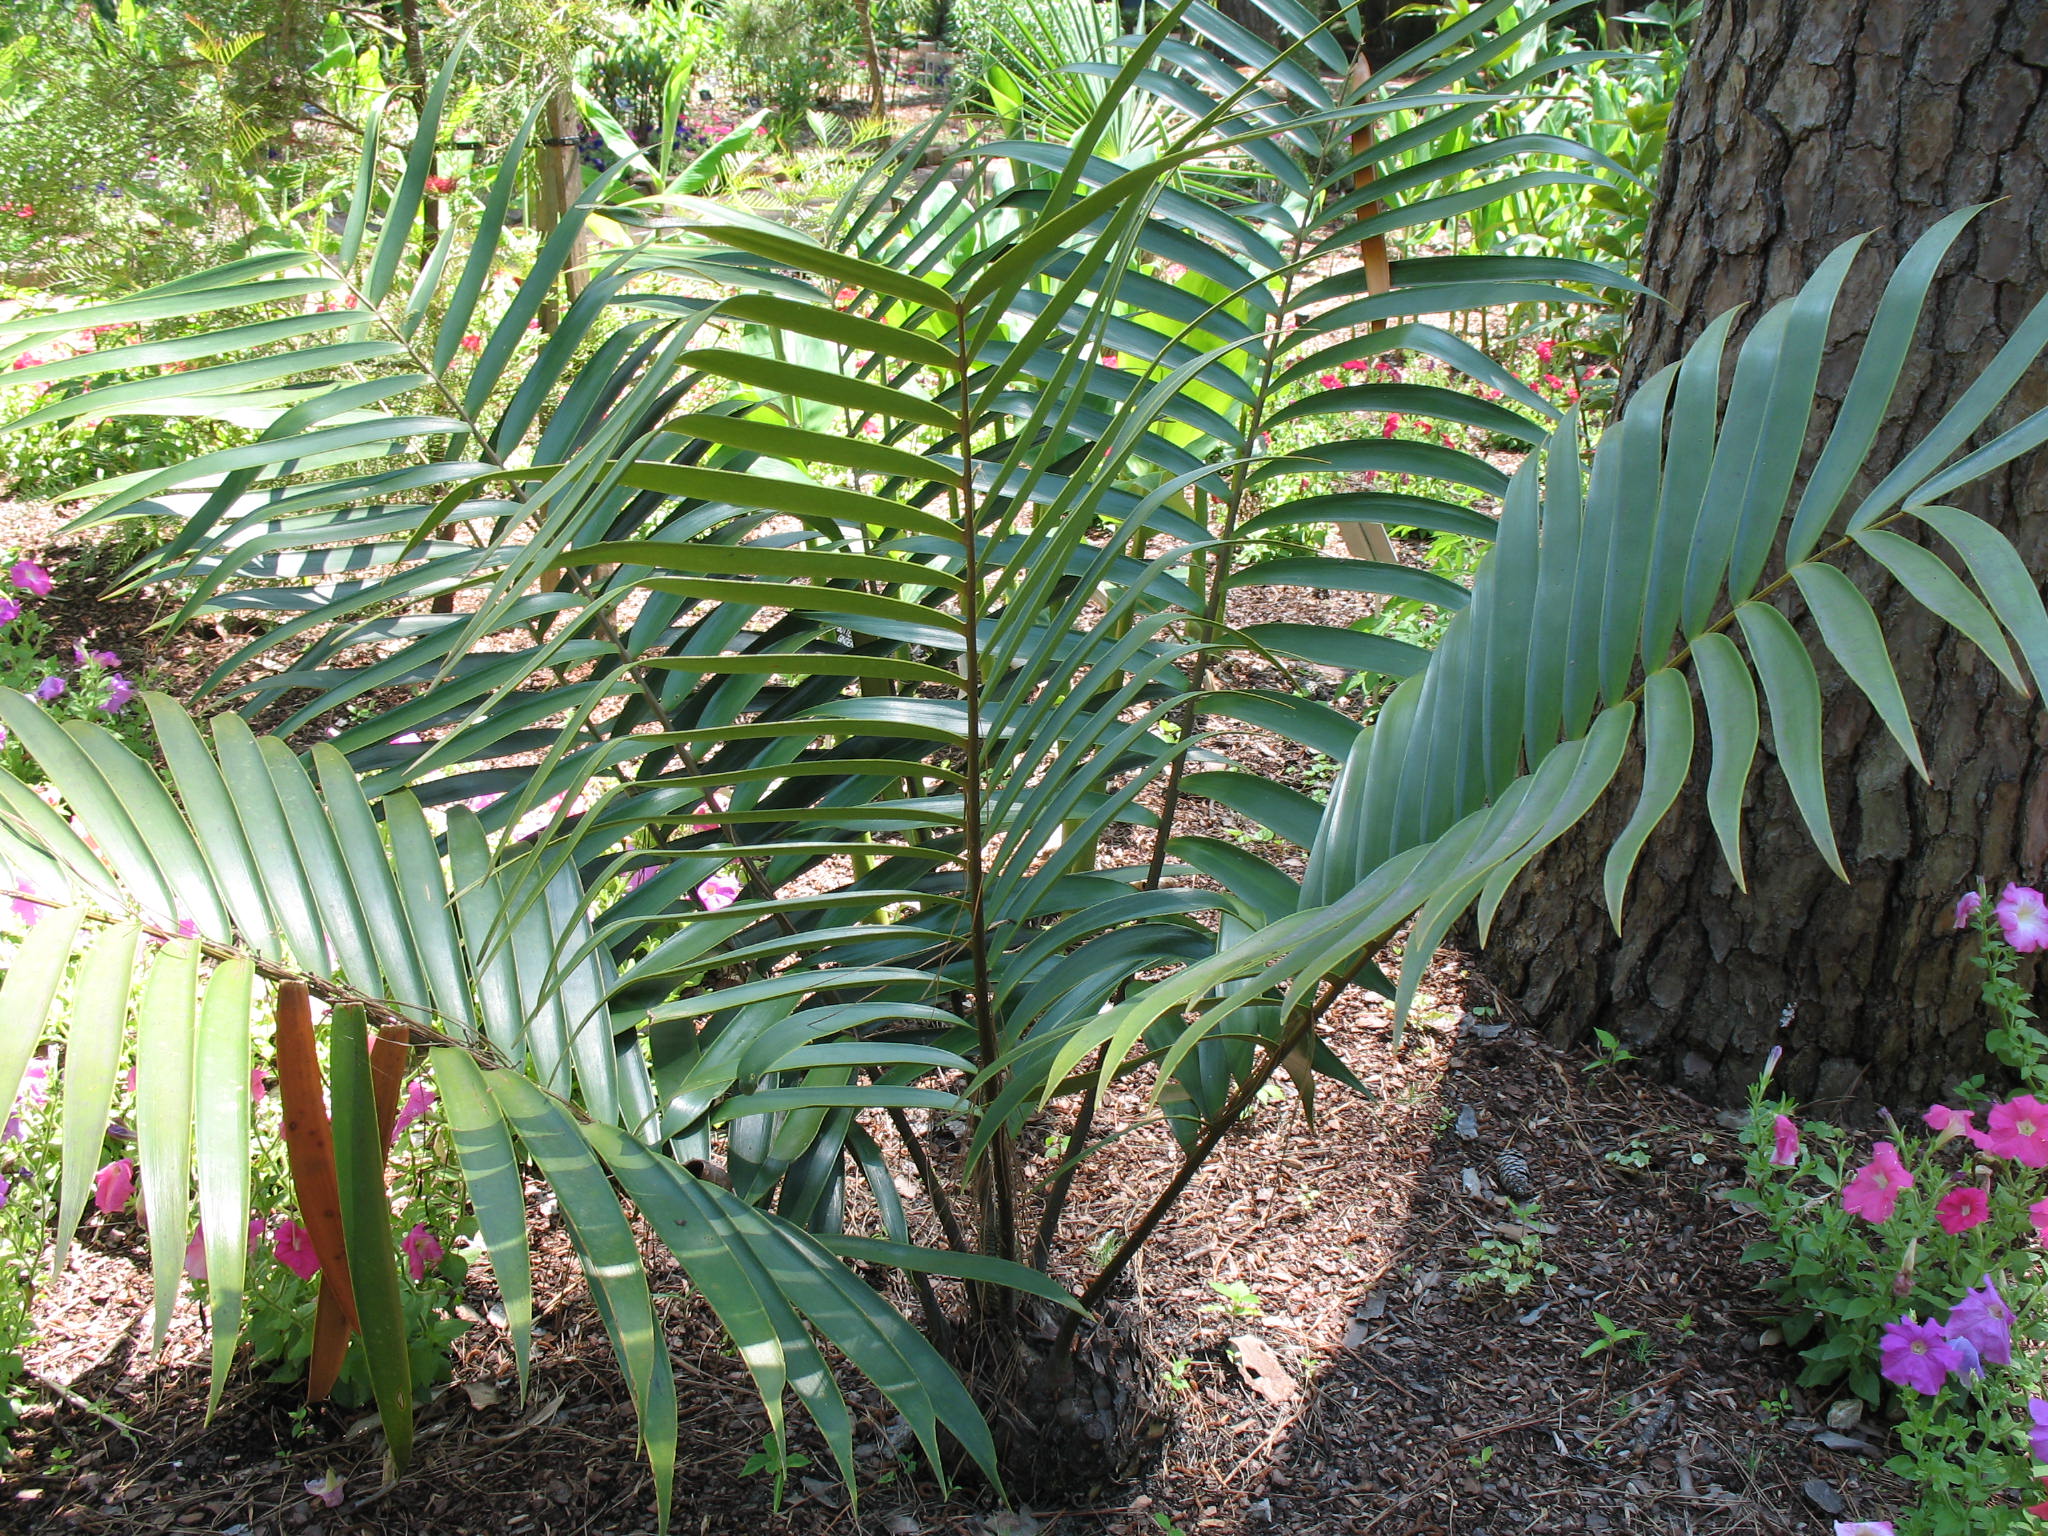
point(366, 1222)
point(92, 1054)
point(164, 1119)
point(490, 1172)
point(611, 1262)
point(29, 990)
point(221, 1154)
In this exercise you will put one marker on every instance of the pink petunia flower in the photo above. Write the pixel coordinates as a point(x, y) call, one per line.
point(294, 1249)
point(719, 892)
point(1390, 426)
point(327, 1488)
point(1865, 1528)
point(2018, 1129)
point(1329, 380)
point(2037, 1213)
point(259, 1085)
point(1961, 1209)
point(422, 1250)
point(1940, 1117)
point(1875, 1189)
point(2022, 914)
point(1784, 1142)
point(114, 1186)
point(440, 186)
point(472, 342)
point(31, 578)
point(418, 1101)
point(195, 1253)
point(1966, 907)
point(1354, 365)
point(1544, 350)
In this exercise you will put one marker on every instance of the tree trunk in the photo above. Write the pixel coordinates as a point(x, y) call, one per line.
point(1800, 124)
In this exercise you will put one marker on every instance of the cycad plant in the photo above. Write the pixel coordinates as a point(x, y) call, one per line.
point(809, 616)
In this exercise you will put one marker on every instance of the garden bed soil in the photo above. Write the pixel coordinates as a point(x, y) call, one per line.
point(1374, 1395)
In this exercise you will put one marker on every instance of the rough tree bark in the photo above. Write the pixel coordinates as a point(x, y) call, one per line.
point(1800, 124)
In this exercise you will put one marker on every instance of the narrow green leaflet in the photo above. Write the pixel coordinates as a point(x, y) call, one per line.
point(611, 1262)
point(1734, 725)
point(1667, 758)
point(164, 1120)
point(1793, 692)
point(366, 1224)
point(92, 1053)
point(29, 991)
point(221, 1131)
point(490, 1172)
point(1852, 632)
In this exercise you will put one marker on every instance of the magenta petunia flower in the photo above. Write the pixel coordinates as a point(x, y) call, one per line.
point(1877, 1185)
point(1784, 1142)
point(1967, 907)
point(422, 1251)
point(719, 892)
point(417, 1102)
point(259, 1085)
point(294, 1249)
point(35, 1083)
point(2022, 914)
point(1329, 380)
point(2037, 1213)
point(10, 610)
point(1917, 1355)
point(1985, 1320)
point(31, 578)
point(195, 1253)
point(114, 1186)
point(2018, 1129)
point(1961, 1209)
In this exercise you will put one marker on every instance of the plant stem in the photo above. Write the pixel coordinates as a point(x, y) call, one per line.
point(942, 1205)
point(1304, 1022)
point(1002, 1239)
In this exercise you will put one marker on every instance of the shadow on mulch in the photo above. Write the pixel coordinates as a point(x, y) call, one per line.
point(1334, 1376)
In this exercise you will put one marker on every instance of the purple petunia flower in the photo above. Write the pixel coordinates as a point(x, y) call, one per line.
point(119, 692)
point(1917, 1355)
point(1985, 1320)
point(51, 687)
point(2037, 1437)
point(10, 610)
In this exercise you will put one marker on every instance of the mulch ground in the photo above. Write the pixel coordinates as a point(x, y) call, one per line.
point(1332, 1368)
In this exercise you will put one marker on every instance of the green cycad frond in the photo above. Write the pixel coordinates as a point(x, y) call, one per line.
point(1608, 585)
